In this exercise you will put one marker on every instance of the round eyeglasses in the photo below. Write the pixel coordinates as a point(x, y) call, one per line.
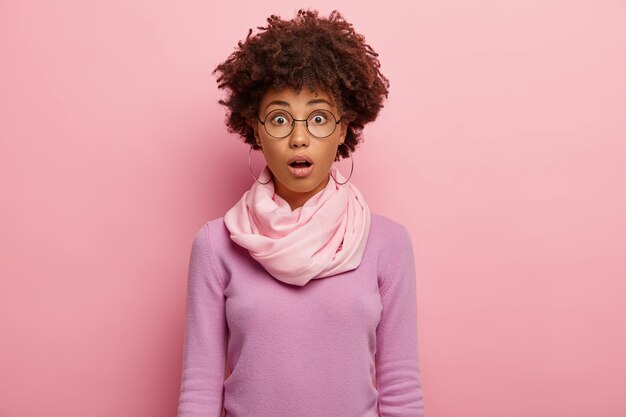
point(280, 123)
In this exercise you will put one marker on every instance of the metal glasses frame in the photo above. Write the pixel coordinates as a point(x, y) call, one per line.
point(294, 120)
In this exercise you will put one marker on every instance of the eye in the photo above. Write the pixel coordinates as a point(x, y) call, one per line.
point(318, 119)
point(279, 120)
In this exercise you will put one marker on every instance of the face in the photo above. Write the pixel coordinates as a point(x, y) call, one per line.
point(296, 182)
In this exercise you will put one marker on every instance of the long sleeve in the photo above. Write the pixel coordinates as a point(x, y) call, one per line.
point(204, 351)
point(397, 367)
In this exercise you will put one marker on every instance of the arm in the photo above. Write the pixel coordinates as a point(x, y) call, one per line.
point(204, 351)
point(397, 368)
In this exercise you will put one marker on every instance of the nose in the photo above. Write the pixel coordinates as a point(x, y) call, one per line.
point(299, 136)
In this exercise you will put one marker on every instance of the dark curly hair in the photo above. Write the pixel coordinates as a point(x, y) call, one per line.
point(307, 51)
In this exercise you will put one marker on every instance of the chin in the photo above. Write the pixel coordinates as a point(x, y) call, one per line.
point(303, 185)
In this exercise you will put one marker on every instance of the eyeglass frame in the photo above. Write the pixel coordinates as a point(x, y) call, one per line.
point(306, 122)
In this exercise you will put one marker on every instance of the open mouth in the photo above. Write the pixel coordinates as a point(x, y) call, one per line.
point(300, 164)
point(301, 167)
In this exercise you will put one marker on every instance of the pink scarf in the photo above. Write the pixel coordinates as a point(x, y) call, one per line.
point(324, 237)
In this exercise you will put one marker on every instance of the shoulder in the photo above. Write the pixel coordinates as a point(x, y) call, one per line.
point(212, 237)
point(385, 231)
point(213, 233)
point(392, 244)
point(213, 240)
point(207, 251)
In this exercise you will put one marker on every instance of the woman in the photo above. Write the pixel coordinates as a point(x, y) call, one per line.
point(310, 295)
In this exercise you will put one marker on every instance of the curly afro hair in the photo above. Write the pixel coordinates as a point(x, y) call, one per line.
point(308, 51)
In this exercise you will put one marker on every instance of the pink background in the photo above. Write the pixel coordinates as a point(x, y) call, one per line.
point(501, 148)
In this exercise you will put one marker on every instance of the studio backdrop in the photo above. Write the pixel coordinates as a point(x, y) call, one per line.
point(501, 148)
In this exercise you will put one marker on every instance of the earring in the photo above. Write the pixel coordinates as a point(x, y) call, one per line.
point(351, 169)
point(250, 167)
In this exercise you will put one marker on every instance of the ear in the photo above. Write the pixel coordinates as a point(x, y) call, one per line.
point(343, 132)
point(255, 128)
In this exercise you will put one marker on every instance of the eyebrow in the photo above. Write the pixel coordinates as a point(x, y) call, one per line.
point(286, 104)
point(318, 101)
point(278, 103)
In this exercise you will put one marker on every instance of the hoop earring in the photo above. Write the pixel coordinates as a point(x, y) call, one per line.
point(351, 170)
point(250, 167)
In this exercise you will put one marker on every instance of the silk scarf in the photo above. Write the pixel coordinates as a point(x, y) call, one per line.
point(323, 238)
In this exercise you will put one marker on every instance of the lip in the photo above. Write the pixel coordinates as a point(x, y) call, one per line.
point(300, 172)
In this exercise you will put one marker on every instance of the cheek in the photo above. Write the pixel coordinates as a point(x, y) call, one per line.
point(272, 155)
point(330, 153)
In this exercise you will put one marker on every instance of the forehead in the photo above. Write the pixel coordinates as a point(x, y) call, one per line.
point(294, 99)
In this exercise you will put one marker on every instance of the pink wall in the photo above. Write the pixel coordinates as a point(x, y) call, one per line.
point(501, 148)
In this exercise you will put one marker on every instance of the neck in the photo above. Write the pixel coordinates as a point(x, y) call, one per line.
point(297, 199)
